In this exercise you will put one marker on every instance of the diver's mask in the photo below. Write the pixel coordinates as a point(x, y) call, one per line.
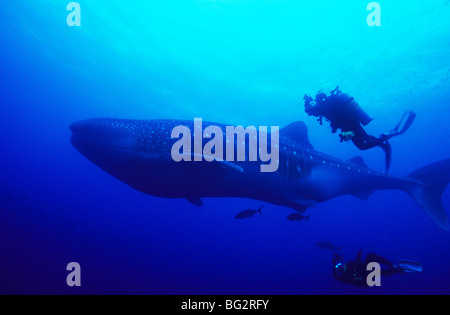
point(341, 268)
point(321, 97)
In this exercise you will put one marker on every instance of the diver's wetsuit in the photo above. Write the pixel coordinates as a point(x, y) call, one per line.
point(355, 272)
point(364, 141)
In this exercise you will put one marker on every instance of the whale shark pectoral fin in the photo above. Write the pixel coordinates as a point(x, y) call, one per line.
point(195, 201)
point(222, 163)
point(301, 205)
point(306, 202)
point(231, 166)
point(300, 208)
point(363, 195)
point(225, 164)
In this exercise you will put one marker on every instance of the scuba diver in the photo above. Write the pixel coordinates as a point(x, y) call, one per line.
point(355, 272)
point(344, 113)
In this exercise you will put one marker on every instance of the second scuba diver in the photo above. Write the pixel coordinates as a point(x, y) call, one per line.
point(355, 272)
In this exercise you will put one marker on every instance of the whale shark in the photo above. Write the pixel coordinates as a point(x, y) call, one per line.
point(138, 153)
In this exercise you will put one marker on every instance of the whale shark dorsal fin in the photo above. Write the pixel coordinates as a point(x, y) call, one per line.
point(297, 132)
point(358, 160)
point(364, 195)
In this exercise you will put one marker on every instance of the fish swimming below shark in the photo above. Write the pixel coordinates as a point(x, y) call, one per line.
point(247, 214)
point(298, 217)
point(138, 153)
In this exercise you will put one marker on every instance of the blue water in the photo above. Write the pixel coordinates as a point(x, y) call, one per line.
point(242, 62)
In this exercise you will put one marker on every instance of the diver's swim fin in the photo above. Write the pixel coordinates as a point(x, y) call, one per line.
point(406, 122)
point(410, 266)
point(403, 126)
point(386, 146)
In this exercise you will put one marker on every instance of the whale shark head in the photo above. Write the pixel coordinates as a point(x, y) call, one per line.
point(122, 138)
point(104, 141)
point(137, 152)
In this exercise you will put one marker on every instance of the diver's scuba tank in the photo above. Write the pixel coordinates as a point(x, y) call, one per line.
point(336, 105)
point(363, 116)
point(351, 107)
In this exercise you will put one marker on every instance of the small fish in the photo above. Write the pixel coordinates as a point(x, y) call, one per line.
point(328, 246)
point(297, 217)
point(248, 214)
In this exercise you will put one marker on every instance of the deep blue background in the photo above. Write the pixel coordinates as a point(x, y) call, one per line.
point(237, 62)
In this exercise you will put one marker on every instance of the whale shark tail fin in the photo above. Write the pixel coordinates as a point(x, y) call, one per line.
point(428, 195)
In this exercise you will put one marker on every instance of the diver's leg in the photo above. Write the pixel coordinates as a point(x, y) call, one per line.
point(362, 140)
point(372, 142)
point(371, 257)
point(366, 142)
point(387, 267)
